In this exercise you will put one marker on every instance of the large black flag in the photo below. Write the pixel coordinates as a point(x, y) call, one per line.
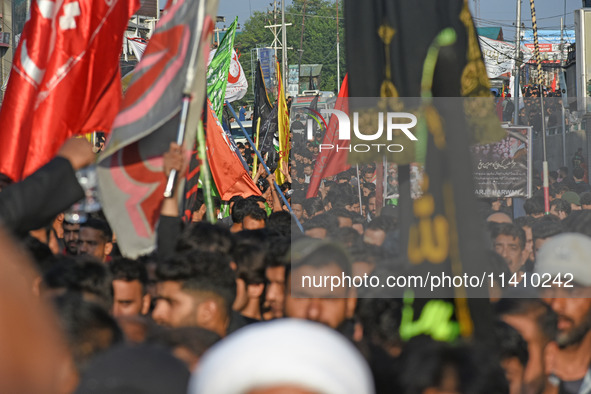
point(429, 49)
point(262, 107)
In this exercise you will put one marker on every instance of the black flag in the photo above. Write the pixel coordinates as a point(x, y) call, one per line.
point(262, 106)
point(429, 49)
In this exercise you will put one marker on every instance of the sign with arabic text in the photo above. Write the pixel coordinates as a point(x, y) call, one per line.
point(503, 169)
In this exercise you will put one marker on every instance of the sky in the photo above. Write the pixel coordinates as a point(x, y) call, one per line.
point(489, 13)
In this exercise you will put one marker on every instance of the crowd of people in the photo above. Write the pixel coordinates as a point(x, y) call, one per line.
point(530, 110)
point(217, 307)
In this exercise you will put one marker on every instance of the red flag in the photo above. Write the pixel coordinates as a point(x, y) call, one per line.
point(330, 162)
point(228, 173)
point(65, 79)
point(554, 83)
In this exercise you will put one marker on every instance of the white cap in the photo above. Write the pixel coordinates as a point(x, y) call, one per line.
point(568, 253)
point(284, 352)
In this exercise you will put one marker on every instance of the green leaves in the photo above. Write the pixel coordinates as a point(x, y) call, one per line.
point(319, 44)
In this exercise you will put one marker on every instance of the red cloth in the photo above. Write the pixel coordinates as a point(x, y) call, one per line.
point(228, 173)
point(330, 162)
point(64, 81)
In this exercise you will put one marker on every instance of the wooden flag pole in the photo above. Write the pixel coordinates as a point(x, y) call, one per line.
point(255, 164)
point(279, 192)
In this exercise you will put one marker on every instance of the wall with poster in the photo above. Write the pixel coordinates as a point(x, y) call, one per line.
point(503, 169)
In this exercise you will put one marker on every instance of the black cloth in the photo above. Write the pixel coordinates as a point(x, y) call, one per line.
point(237, 321)
point(168, 232)
point(36, 201)
point(129, 369)
point(581, 187)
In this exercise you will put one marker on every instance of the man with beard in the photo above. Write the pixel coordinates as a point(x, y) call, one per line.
point(331, 303)
point(195, 289)
point(565, 256)
point(71, 234)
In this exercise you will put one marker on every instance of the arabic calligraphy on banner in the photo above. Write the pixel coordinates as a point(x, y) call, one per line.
point(499, 56)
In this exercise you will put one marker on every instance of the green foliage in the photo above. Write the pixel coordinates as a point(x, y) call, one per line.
point(319, 44)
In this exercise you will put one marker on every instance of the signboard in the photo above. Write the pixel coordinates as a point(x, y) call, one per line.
point(583, 54)
point(4, 40)
point(544, 47)
point(268, 66)
point(503, 169)
point(293, 80)
point(499, 55)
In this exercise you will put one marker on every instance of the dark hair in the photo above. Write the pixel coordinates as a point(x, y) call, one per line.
point(510, 343)
point(205, 237)
point(534, 206)
point(358, 219)
point(561, 205)
point(578, 173)
point(278, 254)
point(341, 213)
point(319, 253)
point(579, 222)
point(100, 225)
point(235, 198)
point(586, 198)
point(129, 270)
point(558, 188)
point(250, 263)
point(370, 186)
point(280, 223)
point(195, 339)
point(384, 223)
point(43, 257)
point(540, 312)
point(545, 227)
point(343, 175)
point(312, 206)
point(380, 318)
point(89, 328)
point(256, 213)
point(510, 229)
point(347, 236)
point(84, 275)
point(256, 199)
point(425, 363)
point(328, 222)
point(340, 195)
point(241, 207)
point(524, 221)
point(203, 272)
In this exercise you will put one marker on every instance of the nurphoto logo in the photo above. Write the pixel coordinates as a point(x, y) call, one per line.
point(402, 121)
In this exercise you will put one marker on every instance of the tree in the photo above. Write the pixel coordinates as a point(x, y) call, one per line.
point(319, 39)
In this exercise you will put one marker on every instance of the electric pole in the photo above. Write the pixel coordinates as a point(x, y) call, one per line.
point(517, 65)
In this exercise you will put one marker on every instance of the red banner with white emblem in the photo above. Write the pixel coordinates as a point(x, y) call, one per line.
point(64, 81)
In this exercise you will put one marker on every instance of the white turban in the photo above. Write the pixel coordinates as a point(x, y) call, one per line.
point(284, 352)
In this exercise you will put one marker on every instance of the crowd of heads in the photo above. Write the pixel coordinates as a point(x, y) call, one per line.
point(247, 305)
point(226, 307)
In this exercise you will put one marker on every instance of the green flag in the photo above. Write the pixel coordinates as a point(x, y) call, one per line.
point(217, 72)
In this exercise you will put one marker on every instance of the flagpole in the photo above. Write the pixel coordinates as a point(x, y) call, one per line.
point(187, 95)
point(265, 166)
point(254, 166)
point(206, 174)
point(180, 138)
point(385, 181)
point(338, 52)
point(359, 190)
